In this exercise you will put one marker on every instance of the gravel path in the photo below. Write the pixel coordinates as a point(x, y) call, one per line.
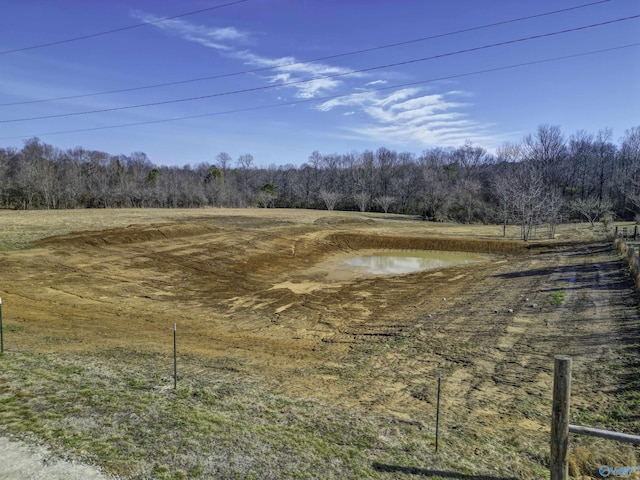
point(19, 461)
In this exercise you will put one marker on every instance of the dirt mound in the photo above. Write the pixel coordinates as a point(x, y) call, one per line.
point(358, 241)
point(130, 235)
point(343, 221)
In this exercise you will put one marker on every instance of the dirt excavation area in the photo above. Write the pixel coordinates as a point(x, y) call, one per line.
point(293, 362)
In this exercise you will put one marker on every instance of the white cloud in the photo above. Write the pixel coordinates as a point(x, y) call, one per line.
point(281, 77)
point(397, 95)
point(409, 117)
point(356, 99)
point(420, 102)
point(315, 87)
point(403, 116)
point(213, 37)
point(308, 79)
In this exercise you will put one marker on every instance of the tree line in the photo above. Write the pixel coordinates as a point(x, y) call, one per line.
point(545, 178)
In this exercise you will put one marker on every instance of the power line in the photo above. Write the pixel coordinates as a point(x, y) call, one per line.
point(121, 29)
point(298, 82)
point(304, 62)
point(330, 97)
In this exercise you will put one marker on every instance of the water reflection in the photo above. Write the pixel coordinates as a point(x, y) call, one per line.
point(401, 263)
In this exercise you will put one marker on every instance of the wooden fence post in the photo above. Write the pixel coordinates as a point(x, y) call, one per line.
point(559, 464)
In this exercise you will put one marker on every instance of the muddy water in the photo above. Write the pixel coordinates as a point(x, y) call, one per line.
point(394, 263)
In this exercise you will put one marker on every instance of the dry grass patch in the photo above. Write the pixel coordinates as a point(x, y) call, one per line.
point(118, 410)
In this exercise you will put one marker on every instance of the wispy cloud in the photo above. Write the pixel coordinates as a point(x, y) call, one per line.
point(319, 79)
point(404, 116)
point(232, 42)
point(208, 36)
point(410, 116)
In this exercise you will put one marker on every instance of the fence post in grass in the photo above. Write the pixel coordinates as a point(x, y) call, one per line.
point(1, 334)
point(438, 409)
point(559, 464)
point(175, 359)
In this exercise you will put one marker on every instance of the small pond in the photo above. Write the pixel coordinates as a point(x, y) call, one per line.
point(396, 263)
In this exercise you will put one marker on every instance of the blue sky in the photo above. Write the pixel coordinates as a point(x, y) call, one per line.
point(397, 97)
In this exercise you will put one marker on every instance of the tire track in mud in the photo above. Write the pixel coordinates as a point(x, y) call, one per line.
point(491, 359)
point(489, 325)
point(422, 319)
point(514, 377)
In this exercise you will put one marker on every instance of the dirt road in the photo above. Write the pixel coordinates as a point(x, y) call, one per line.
point(20, 461)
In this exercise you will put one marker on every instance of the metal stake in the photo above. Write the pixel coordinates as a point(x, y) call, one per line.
point(175, 360)
point(438, 410)
point(1, 337)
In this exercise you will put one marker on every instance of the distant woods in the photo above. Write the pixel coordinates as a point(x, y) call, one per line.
point(546, 178)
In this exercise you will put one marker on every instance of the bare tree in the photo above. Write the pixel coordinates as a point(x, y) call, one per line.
point(48, 184)
point(224, 162)
point(406, 186)
point(628, 168)
point(509, 152)
point(70, 171)
point(385, 202)
point(581, 154)
point(385, 162)
point(245, 166)
point(468, 159)
point(467, 199)
point(592, 208)
point(527, 189)
point(605, 153)
point(362, 200)
point(330, 198)
point(437, 184)
point(24, 173)
point(5, 179)
point(529, 183)
point(553, 204)
point(546, 149)
point(330, 169)
point(502, 187)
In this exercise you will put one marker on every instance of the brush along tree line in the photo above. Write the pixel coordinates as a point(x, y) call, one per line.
point(545, 178)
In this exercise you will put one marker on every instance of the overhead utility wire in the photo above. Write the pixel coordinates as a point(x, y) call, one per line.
point(130, 27)
point(323, 77)
point(327, 98)
point(304, 62)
